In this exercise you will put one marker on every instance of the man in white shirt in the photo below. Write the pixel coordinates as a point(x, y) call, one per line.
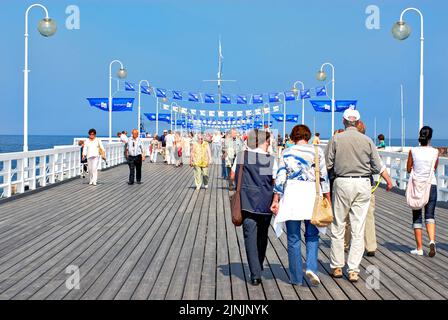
point(135, 154)
point(124, 137)
point(169, 140)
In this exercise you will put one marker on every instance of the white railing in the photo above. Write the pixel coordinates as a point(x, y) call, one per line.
point(21, 171)
point(396, 166)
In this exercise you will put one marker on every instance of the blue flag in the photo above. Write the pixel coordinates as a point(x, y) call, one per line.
point(290, 96)
point(321, 105)
point(340, 105)
point(321, 91)
point(165, 117)
point(150, 116)
point(160, 93)
point(192, 96)
point(289, 117)
point(241, 99)
point(257, 98)
point(129, 86)
point(145, 89)
point(209, 98)
point(118, 104)
point(273, 97)
point(305, 94)
point(226, 98)
point(177, 95)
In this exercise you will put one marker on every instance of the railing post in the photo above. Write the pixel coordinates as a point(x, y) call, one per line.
point(52, 168)
point(21, 175)
point(7, 178)
point(43, 171)
point(441, 182)
point(32, 176)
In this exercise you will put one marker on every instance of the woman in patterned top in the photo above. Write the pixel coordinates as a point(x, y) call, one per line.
point(296, 190)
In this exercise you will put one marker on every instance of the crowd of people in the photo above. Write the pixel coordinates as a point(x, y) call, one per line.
point(278, 180)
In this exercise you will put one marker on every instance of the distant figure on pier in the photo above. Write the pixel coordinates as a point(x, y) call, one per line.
point(163, 144)
point(232, 146)
point(124, 137)
point(256, 195)
point(136, 155)
point(93, 147)
point(155, 147)
point(83, 160)
point(422, 164)
point(178, 149)
point(316, 139)
point(200, 160)
point(217, 147)
point(381, 142)
point(354, 158)
point(170, 140)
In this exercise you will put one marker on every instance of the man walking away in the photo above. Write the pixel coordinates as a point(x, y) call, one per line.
point(169, 140)
point(354, 158)
point(135, 154)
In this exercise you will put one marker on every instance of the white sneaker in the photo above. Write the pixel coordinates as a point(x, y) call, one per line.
point(206, 186)
point(417, 252)
point(94, 183)
point(314, 279)
point(90, 182)
point(198, 188)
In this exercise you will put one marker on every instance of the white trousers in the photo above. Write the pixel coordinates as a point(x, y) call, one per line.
point(154, 155)
point(352, 199)
point(93, 163)
point(170, 155)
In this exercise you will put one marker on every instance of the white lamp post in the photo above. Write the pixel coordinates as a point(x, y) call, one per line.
point(139, 106)
point(296, 92)
point(322, 76)
point(284, 115)
point(122, 73)
point(47, 27)
point(401, 31)
point(171, 116)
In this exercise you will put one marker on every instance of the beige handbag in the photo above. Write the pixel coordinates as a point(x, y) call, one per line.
point(322, 213)
point(101, 152)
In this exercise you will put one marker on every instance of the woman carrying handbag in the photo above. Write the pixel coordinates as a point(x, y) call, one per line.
point(298, 191)
point(422, 189)
point(251, 202)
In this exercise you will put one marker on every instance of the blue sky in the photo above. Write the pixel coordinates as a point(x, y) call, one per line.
point(267, 45)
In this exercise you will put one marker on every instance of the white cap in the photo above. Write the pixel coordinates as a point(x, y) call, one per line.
point(351, 113)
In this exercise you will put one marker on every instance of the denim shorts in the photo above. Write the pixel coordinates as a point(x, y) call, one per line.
point(430, 209)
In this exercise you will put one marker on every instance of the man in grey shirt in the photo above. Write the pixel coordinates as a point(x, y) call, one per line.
point(354, 158)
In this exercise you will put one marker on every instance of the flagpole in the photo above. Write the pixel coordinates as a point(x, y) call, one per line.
point(157, 115)
point(303, 100)
point(121, 74)
point(402, 117)
point(390, 131)
point(284, 115)
point(139, 105)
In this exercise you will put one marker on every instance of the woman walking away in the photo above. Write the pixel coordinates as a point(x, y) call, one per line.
point(93, 147)
point(200, 160)
point(296, 186)
point(256, 188)
point(422, 163)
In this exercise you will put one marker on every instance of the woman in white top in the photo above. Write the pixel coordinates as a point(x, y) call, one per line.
point(423, 161)
point(91, 151)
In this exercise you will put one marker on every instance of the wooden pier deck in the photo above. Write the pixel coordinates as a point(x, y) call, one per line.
point(164, 240)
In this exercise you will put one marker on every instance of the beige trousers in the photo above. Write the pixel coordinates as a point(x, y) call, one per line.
point(370, 234)
point(200, 176)
point(352, 200)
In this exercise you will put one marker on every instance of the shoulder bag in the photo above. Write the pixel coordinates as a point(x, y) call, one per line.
point(322, 212)
point(417, 192)
point(235, 200)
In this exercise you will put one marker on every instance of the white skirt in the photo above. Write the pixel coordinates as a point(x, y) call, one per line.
point(297, 204)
